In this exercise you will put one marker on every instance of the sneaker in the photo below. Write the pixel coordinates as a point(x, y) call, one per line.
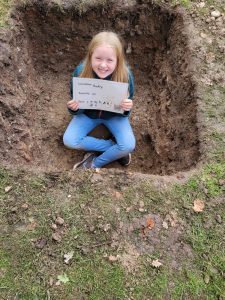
point(86, 156)
point(88, 163)
point(125, 161)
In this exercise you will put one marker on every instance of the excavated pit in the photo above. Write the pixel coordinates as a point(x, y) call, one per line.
point(37, 60)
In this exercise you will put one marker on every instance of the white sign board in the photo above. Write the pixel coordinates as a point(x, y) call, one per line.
point(99, 94)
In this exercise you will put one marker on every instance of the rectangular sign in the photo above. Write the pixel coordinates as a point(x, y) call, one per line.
point(99, 94)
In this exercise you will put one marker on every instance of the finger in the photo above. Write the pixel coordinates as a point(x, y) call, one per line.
point(70, 102)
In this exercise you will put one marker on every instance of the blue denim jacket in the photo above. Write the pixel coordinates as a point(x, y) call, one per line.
point(94, 113)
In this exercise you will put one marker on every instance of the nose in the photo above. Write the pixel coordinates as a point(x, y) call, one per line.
point(103, 64)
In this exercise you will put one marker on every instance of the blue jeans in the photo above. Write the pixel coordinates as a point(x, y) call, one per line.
point(75, 137)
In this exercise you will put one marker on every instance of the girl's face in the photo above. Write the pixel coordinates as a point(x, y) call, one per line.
point(104, 61)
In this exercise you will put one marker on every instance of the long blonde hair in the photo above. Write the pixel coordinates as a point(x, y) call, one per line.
point(112, 39)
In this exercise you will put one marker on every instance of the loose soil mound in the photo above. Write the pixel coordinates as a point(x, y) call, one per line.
point(38, 56)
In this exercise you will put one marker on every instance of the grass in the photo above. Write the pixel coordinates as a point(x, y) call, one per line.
point(4, 9)
point(26, 271)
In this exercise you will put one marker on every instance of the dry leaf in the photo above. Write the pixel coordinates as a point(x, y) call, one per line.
point(117, 195)
point(68, 256)
point(165, 225)
point(112, 258)
point(51, 281)
point(198, 205)
point(106, 227)
point(31, 226)
point(8, 188)
point(150, 223)
point(156, 263)
point(41, 243)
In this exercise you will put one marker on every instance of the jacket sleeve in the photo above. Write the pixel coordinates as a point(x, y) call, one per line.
point(131, 85)
point(76, 73)
point(130, 90)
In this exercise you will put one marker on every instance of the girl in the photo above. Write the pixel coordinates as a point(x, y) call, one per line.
point(104, 60)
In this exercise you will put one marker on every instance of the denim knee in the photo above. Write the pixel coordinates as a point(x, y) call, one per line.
point(128, 147)
point(71, 143)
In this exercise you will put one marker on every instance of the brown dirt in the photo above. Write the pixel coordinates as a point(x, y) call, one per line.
point(38, 55)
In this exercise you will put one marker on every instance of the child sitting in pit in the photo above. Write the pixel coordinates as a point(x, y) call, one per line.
point(104, 60)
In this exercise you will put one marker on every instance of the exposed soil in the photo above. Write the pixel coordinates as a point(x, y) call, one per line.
point(38, 55)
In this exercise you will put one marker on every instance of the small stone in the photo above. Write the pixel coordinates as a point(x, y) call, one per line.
point(219, 24)
point(165, 225)
point(96, 177)
point(106, 227)
point(56, 237)
point(14, 209)
point(128, 209)
point(54, 226)
point(221, 182)
point(92, 229)
point(121, 224)
point(59, 221)
point(129, 49)
point(24, 206)
point(203, 35)
point(201, 4)
point(181, 176)
point(206, 278)
point(85, 250)
point(41, 243)
point(219, 219)
point(141, 204)
point(117, 210)
point(215, 14)
point(141, 209)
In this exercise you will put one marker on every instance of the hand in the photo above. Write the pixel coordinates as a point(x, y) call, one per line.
point(72, 104)
point(126, 104)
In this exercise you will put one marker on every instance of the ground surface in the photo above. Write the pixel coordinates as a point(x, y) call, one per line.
point(114, 234)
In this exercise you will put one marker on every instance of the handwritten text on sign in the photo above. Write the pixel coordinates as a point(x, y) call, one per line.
point(99, 94)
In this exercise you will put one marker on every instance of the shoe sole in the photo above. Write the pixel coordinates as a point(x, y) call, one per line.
point(125, 165)
point(86, 156)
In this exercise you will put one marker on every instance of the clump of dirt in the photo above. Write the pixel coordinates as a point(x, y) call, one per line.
point(38, 55)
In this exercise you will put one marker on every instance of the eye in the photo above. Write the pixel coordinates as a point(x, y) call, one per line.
point(110, 60)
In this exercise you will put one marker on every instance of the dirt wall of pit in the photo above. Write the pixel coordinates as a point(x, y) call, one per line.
point(38, 55)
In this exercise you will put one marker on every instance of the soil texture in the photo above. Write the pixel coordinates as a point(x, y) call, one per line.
point(38, 55)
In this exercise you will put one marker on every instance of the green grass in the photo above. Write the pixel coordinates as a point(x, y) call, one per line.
point(4, 10)
point(26, 271)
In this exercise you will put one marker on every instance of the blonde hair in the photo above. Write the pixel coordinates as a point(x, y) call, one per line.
point(112, 39)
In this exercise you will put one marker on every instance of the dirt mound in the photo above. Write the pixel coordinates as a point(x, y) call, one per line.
point(38, 55)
